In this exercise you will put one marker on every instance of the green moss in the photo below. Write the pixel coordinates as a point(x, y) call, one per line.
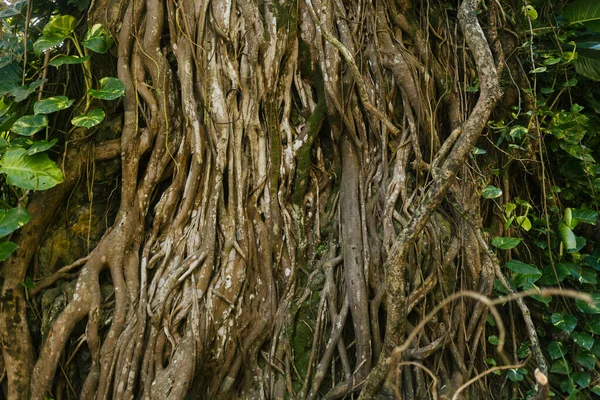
point(302, 338)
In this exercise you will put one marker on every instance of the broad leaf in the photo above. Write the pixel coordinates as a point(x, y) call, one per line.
point(16, 9)
point(583, 340)
point(587, 216)
point(588, 67)
point(12, 219)
point(585, 12)
point(593, 308)
point(52, 104)
point(550, 274)
point(46, 42)
point(524, 222)
point(10, 78)
point(564, 322)
point(30, 124)
point(567, 236)
point(6, 249)
point(41, 146)
point(505, 243)
point(524, 273)
point(586, 359)
point(561, 367)
point(582, 274)
point(536, 297)
point(582, 378)
point(90, 119)
point(556, 350)
point(110, 89)
point(60, 26)
point(522, 268)
point(60, 60)
point(35, 172)
point(491, 192)
point(97, 39)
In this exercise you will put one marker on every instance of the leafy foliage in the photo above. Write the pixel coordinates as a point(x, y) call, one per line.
point(25, 164)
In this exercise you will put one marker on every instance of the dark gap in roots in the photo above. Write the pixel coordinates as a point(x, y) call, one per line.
point(225, 186)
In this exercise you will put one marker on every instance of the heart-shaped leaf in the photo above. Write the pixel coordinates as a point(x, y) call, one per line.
point(583, 340)
point(52, 104)
point(46, 42)
point(12, 219)
point(90, 119)
point(110, 89)
point(564, 322)
point(97, 39)
point(6, 249)
point(491, 192)
point(41, 146)
point(505, 243)
point(60, 26)
point(556, 350)
point(30, 124)
point(60, 60)
point(35, 172)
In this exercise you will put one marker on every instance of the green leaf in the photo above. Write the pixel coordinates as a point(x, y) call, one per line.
point(561, 367)
point(52, 104)
point(585, 12)
point(60, 60)
point(60, 25)
point(587, 216)
point(530, 12)
point(110, 89)
point(549, 277)
point(524, 222)
point(588, 67)
point(493, 339)
point(564, 322)
point(586, 359)
point(6, 249)
point(596, 349)
point(582, 378)
point(568, 217)
point(537, 297)
point(517, 132)
point(12, 219)
point(16, 9)
point(28, 283)
point(505, 243)
point(35, 172)
point(476, 151)
point(538, 70)
point(551, 61)
point(593, 308)
point(582, 274)
point(556, 350)
point(41, 146)
point(514, 375)
point(547, 90)
point(524, 350)
point(491, 192)
point(567, 236)
point(30, 124)
point(90, 119)
point(524, 273)
point(97, 39)
point(583, 340)
point(46, 42)
point(522, 268)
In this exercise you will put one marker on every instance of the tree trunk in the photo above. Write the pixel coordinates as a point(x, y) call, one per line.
point(289, 209)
